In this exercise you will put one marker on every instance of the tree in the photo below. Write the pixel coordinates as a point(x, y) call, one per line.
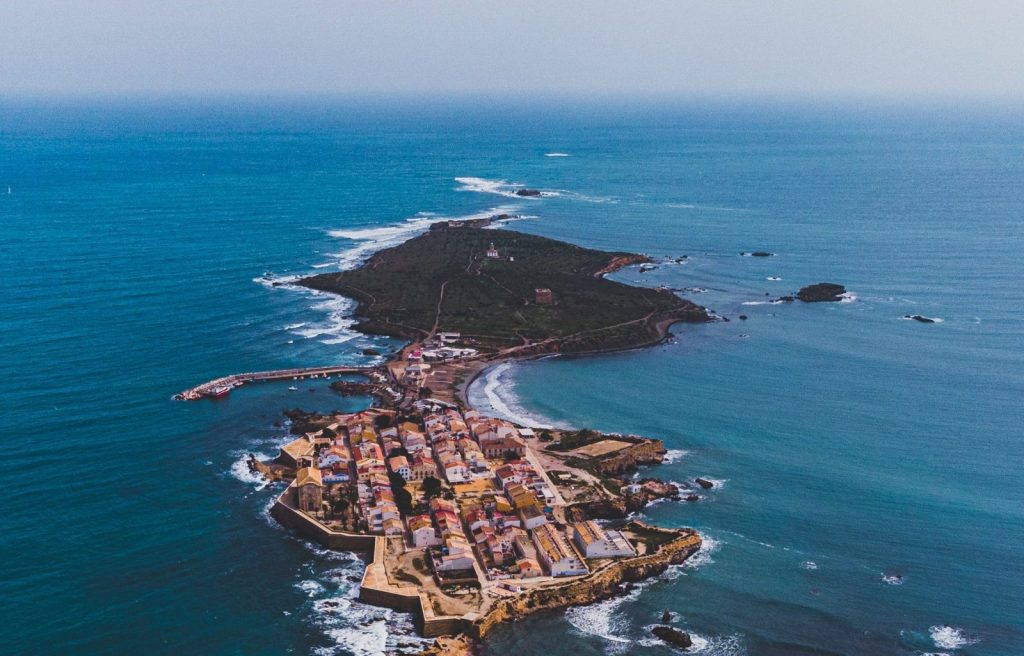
point(431, 487)
point(426, 392)
point(403, 498)
point(341, 505)
point(399, 451)
point(546, 436)
point(382, 421)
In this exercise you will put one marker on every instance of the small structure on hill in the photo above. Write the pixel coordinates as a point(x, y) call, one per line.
point(543, 296)
point(492, 252)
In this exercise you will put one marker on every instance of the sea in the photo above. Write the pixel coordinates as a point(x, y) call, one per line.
point(867, 490)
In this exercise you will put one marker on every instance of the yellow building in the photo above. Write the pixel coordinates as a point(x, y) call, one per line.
point(309, 489)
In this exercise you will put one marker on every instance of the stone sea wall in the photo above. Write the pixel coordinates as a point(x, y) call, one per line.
point(602, 584)
point(291, 518)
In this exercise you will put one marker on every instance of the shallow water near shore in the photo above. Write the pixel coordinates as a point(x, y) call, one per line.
point(868, 496)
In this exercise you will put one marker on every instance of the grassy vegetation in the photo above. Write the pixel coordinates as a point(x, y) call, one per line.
point(493, 300)
point(569, 440)
point(653, 539)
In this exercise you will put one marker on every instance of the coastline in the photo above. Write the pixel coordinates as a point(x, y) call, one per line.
point(483, 367)
point(400, 384)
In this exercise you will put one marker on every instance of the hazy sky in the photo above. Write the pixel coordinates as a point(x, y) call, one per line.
point(777, 47)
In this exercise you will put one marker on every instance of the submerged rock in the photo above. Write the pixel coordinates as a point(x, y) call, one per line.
point(666, 617)
point(527, 192)
point(704, 483)
point(674, 637)
point(759, 254)
point(919, 317)
point(821, 292)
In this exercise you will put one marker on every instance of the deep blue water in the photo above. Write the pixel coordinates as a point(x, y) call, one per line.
point(852, 445)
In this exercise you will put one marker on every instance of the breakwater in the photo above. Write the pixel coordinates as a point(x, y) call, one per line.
point(223, 385)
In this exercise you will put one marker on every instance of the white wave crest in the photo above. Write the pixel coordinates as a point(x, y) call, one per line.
point(950, 637)
point(809, 565)
point(847, 297)
point(601, 620)
point(674, 455)
point(486, 186)
point(892, 579)
point(374, 238)
point(311, 588)
point(708, 546)
point(240, 470)
point(556, 155)
point(731, 645)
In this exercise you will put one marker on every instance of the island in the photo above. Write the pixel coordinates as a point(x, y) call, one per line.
point(470, 521)
point(508, 292)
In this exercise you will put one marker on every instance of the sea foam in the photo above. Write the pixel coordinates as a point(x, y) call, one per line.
point(497, 390)
point(950, 637)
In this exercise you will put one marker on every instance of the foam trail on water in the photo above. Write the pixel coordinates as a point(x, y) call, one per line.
point(372, 239)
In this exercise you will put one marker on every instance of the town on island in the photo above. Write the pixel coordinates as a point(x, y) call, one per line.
point(468, 520)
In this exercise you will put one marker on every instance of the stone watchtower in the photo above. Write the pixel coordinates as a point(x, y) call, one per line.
point(543, 296)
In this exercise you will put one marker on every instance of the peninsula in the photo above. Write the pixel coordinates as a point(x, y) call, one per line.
point(473, 520)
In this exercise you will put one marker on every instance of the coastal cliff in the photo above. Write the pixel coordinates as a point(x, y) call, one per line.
point(647, 452)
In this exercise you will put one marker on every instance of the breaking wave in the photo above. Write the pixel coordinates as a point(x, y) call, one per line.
point(674, 455)
point(708, 547)
point(557, 155)
point(950, 637)
point(601, 619)
point(372, 239)
point(494, 393)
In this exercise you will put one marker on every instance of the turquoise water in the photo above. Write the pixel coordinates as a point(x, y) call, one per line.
point(869, 466)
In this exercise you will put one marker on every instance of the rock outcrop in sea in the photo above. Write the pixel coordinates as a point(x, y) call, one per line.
point(672, 636)
point(821, 292)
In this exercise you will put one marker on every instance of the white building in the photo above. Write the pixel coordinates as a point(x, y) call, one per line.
point(596, 542)
point(555, 553)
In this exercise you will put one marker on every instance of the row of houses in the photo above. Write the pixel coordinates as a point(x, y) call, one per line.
point(455, 553)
